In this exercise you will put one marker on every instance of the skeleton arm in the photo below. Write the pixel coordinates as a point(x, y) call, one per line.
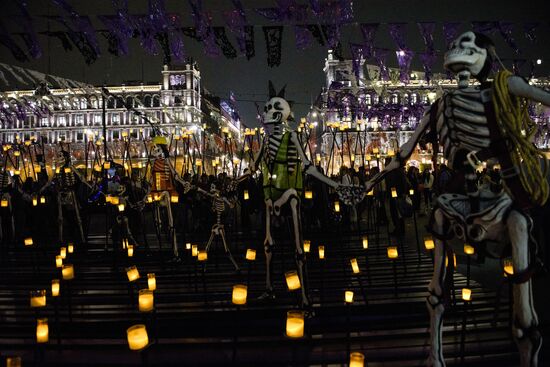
point(519, 87)
point(254, 166)
point(309, 167)
point(204, 192)
point(80, 177)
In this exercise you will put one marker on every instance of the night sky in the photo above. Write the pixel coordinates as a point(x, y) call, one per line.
point(300, 70)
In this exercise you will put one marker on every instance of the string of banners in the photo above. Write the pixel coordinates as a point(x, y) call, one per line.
point(313, 22)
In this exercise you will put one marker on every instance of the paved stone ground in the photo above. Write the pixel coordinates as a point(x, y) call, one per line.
point(196, 324)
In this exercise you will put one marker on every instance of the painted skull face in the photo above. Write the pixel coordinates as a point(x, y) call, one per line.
point(276, 111)
point(157, 152)
point(465, 55)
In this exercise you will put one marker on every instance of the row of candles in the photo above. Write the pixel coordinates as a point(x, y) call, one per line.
point(38, 297)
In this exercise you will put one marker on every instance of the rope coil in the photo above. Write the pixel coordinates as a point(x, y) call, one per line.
point(518, 127)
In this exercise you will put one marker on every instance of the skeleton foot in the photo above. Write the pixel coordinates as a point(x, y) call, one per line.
point(268, 295)
point(529, 342)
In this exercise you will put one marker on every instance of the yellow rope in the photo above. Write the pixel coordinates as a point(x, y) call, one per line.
point(513, 118)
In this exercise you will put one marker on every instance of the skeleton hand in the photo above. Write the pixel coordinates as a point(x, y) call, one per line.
point(350, 195)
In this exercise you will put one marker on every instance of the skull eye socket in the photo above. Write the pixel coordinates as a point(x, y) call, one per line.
point(269, 106)
point(277, 106)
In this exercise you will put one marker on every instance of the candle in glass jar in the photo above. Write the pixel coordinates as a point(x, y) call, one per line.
point(348, 296)
point(55, 287)
point(356, 359)
point(132, 273)
point(146, 300)
point(239, 294)
point(68, 272)
point(354, 266)
point(151, 282)
point(137, 337)
point(251, 254)
point(38, 298)
point(392, 252)
point(42, 331)
point(295, 324)
point(292, 280)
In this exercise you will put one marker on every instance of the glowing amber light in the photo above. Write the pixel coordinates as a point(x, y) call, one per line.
point(469, 249)
point(120, 207)
point(63, 253)
point(321, 252)
point(174, 198)
point(393, 192)
point(149, 199)
point(202, 255)
point(508, 267)
point(194, 250)
point(28, 241)
point(68, 272)
point(13, 362)
point(132, 273)
point(146, 300)
point(411, 192)
point(307, 245)
point(429, 243)
point(188, 246)
point(137, 337)
point(348, 296)
point(42, 331)
point(392, 252)
point(239, 294)
point(356, 359)
point(375, 150)
point(107, 165)
point(365, 242)
point(4, 203)
point(251, 254)
point(42, 200)
point(151, 282)
point(295, 324)
point(245, 195)
point(130, 249)
point(34, 201)
point(55, 287)
point(58, 261)
point(337, 206)
point(466, 294)
point(70, 248)
point(355, 266)
point(38, 298)
point(198, 162)
point(292, 280)
point(67, 170)
point(309, 194)
point(115, 200)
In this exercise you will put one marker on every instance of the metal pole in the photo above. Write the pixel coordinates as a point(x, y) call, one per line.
point(104, 122)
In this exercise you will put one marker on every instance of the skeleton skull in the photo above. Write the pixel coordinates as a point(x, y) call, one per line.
point(464, 55)
point(276, 111)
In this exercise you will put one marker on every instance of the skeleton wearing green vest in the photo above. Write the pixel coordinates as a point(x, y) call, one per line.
point(280, 159)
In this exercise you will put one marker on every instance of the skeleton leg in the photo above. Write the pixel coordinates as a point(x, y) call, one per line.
point(525, 331)
point(300, 258)
point(172, 230)
point(213, 233)
point(226, 248)
point(434, 301)
point(268, 247)
point(59, 217)
point(77, 215)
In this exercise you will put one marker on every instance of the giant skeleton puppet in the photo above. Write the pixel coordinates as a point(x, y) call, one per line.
point(163, 186)
point(64, 183)
point(280, 160)
point(474, 124)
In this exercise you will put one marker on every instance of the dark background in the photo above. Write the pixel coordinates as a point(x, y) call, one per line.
point(301, 70)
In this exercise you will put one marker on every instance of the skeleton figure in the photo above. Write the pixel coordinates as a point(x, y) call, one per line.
point(163, 178)
point(65, 181)
point(280, 159)
point(462, 121)
point(218, 206)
